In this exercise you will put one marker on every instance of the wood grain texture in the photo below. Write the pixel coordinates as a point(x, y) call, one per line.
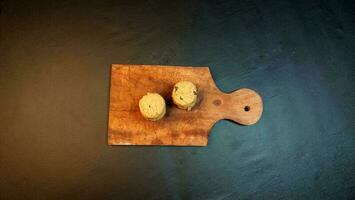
point(179, 127)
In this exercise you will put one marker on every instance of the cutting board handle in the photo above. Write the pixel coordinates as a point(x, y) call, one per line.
point(243, 106)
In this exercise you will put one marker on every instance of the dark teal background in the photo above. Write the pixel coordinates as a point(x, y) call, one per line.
point(55, 59)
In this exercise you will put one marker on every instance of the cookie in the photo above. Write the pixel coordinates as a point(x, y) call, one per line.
point(152, 106)
point(184, 95)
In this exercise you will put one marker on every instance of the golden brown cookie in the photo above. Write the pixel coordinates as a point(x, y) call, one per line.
point(152, 106)
point(184, 95)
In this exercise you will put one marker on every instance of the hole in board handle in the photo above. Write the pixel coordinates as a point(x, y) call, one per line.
point(246, 108)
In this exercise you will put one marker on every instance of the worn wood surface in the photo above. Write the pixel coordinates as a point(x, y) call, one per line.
point(179, 127)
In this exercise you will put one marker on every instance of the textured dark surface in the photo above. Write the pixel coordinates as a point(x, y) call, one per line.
point(54, 81)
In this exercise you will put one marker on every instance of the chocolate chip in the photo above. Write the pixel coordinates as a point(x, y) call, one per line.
point(181, 98)
point(176, 88)
point(195, 93)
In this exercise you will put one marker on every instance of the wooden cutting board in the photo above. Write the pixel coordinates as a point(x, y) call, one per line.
point(179, 127)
